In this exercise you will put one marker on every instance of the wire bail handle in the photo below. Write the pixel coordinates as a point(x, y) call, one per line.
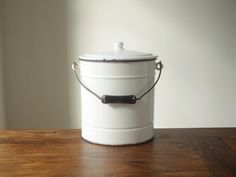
point(128, 99)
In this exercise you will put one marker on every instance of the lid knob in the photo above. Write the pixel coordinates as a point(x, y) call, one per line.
point(119, 46)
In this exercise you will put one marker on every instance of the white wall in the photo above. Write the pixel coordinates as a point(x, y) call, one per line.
point(196, 40)
point(2, 108)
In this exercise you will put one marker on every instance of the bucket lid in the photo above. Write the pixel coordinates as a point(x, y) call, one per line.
point(118, 54)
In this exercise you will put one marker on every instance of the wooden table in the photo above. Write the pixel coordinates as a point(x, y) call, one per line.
point(173, 152)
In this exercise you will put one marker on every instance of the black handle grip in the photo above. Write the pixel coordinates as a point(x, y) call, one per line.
point(127, 99)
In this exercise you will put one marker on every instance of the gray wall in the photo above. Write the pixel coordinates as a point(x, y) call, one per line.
point(196, 40)
point(36, 70)
point(2, 108)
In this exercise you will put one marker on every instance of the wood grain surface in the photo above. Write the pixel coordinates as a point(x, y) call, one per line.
point(172, 153)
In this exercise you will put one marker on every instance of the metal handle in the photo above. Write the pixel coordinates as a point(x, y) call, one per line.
point(128, 99)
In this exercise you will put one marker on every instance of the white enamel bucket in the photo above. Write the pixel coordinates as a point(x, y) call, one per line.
point(117, 95)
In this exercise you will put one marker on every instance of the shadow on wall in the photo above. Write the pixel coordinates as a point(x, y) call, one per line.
point(2, 106)
point(41, 91)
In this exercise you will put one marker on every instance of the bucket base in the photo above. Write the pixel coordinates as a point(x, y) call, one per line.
point(117, 136)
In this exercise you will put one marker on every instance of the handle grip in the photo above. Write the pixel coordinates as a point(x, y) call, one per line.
point(128, 99)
